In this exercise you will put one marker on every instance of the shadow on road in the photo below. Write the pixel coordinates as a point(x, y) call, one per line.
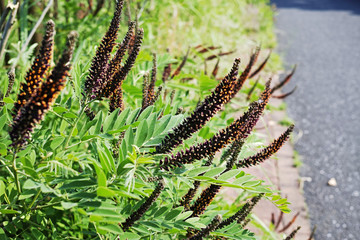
point(321, 5)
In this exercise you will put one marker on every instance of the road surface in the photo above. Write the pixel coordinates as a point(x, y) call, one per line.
point(323, 38)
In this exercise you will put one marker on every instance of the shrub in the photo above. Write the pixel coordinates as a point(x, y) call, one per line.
point(101, 165)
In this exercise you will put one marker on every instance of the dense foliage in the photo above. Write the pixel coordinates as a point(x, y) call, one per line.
point(82, 159)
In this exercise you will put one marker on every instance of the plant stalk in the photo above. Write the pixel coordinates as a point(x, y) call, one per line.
point(17, 183)
point(82, 110)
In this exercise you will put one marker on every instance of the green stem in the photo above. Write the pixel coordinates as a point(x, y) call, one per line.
point(17, 183)
point(58, 115)
point(82, 109)
point(33, 201)
point(6, 198)
point(44, 206)
point(7, 166)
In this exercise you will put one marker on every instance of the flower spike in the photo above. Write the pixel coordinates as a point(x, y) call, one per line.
point(120, 75)
point(240, 215)
point(206, 109)
point(244, 223)
point(135, 216)
point(167, 71)
point(284, 81)
point(261, 67)
point(245, 74)
point(186, 199)
point(239, 129)
point(120, 53)
point(234, 153)
point(151, 88)
point(116, 100)
point(97, 77)
point(266, 152)
point(145, 90)
point(205, 199)
point(38, 69)
point(11, 80)
point(149, 95)
point(209, 228)
point(182, 64)
point(292, 234)
point(43, 97)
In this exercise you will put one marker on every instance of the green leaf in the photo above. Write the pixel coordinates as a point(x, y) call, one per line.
point(105, 192)
point(2, 121)
point(46, 189)
point(68, 205)
point(215, 171)
point(109, 121)
point(78, 184)
point(106, 136)
point(152, 225)
point(3, 149)
point(9, 211)
point(229, 174)
point(127, 194)
point(174, 121)
point(30, 184)
point(86, 127)
point(70, 115)
point(100, 175)
point(281, 201)
point(196, 171)
point(182, 225)
point(261, 189)
point(129, 236)
point(162, 125)
point(146, 113)
point(207, 83)
point(203, 178)
point(131, 118)
point(56, 142)
point(2, 188)
point(104, 161)
point(24, 152)
point(59, 109)
point(82, 195)
point(145, 160)
point(98, 124)
point(105, 213)
point(8, 100)
point(285, 209)
point(109, 157)
point(26, 194)
point(111, 228)
point(184, 215)
point(129, 139)
point(88, 137)
point(141, 133)
point(162, 211)
point(151, 125)
point(251, 183)
point(174, 213)
point(243, 179)
point(193, 220)
point(120, 121)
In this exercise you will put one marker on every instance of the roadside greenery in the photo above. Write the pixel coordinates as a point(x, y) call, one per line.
point(86, 153)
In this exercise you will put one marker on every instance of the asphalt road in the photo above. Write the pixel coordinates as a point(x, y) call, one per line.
point(323, 38)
